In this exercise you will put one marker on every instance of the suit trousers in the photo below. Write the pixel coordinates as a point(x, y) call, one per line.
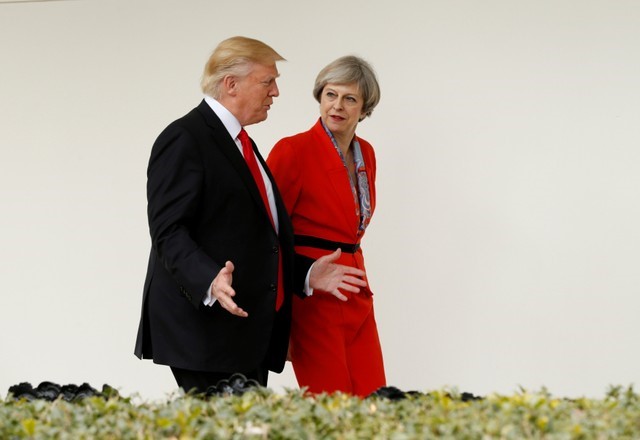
point(199, 381)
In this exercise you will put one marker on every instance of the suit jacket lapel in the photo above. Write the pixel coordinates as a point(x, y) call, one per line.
point(283, 219)
point(229, 148)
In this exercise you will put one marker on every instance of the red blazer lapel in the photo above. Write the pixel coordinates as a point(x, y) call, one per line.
point(338, 176)
point(370, 165)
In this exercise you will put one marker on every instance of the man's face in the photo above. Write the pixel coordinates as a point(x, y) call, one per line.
point(255, 93)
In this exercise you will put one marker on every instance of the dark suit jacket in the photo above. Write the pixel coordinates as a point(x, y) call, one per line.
point(204, 208)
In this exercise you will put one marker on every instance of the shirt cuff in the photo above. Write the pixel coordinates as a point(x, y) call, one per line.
point(308, 290)
point(208, 299)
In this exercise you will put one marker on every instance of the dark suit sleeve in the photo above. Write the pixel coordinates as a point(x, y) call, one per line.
point(174, 188)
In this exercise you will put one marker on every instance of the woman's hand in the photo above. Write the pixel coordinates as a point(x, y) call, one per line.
point(330, 277)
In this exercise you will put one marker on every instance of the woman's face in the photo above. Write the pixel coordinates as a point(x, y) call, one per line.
point(341, 108)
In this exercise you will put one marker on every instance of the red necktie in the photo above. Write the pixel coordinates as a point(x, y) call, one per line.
point(250, 158)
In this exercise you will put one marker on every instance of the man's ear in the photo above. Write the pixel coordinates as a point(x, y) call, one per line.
point(230, 84)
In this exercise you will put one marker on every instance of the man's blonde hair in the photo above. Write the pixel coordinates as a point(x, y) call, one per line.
point(234, 56)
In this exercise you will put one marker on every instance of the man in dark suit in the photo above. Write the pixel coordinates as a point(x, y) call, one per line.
point(217, 296)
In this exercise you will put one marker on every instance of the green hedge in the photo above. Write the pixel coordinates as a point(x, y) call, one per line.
point(262, 413)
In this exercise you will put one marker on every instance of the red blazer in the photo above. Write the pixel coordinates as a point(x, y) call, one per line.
point(315, 188)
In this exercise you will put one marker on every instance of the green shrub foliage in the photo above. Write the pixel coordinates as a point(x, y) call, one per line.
point(263, 414)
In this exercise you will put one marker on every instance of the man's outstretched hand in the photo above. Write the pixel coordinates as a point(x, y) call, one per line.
point(222, 291)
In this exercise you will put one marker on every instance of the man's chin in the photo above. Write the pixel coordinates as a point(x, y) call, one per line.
point(258, 119)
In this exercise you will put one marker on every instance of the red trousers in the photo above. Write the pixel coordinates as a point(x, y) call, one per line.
point(335, 345)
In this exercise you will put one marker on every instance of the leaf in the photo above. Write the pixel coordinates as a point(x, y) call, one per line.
point(29, 426)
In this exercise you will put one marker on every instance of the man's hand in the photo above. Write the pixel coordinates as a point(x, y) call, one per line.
point(327, 276)
point(222, 291)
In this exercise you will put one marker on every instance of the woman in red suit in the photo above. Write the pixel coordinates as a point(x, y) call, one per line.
point(327, 179)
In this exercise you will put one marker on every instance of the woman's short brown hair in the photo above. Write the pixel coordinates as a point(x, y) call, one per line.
point(347, 70)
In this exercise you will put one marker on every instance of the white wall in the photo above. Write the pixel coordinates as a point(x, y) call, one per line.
point(505, 249)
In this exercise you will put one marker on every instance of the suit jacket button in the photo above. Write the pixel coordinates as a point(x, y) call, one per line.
point(273, 287)
point(275, 249)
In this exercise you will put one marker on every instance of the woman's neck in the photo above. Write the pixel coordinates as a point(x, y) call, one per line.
point(344, 142)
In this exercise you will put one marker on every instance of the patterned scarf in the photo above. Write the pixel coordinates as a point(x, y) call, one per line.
point(361, 196)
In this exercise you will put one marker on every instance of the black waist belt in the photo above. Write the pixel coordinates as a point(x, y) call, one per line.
point(321, 243)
